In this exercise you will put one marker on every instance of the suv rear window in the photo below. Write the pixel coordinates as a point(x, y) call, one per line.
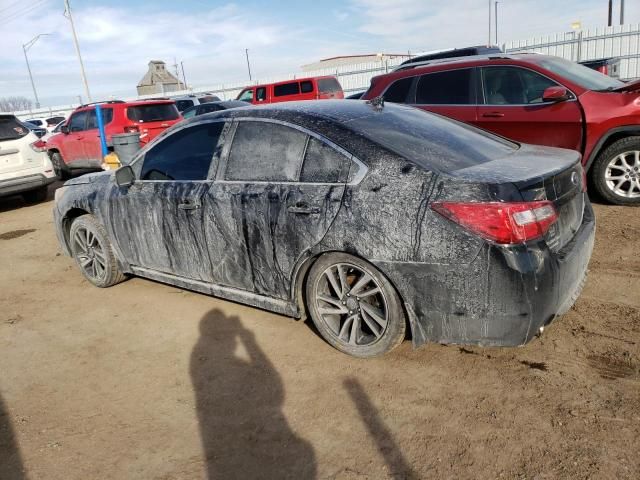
point(11, 128)
point(328, 85)
point(157, 112)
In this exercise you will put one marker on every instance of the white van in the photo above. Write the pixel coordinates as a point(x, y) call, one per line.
point(25, 167)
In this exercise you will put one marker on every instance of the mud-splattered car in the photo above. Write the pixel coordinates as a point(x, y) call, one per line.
point(370, 218)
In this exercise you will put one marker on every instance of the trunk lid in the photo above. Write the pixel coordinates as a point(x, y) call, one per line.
point(152, 118)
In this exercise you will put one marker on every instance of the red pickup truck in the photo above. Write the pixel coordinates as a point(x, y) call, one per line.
point(535, 99)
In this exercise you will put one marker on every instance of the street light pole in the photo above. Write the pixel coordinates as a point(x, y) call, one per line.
point(26, 47)
point(489, 37)
point(246, 52)
point(67, 13)
point(496, 18)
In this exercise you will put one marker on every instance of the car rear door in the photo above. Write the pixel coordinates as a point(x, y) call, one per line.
point(158, 221)
point(512, 106)
point(268, 207)
point(451, 93)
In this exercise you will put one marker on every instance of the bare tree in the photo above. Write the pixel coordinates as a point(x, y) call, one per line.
point(14, 104)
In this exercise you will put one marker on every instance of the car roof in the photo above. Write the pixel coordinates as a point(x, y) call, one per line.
point(474, 60)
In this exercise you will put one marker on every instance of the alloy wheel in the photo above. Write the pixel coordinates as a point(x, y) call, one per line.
point(90, 253)
point(351, 304)
point(622, 174)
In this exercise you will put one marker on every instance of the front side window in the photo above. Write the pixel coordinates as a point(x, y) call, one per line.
point(453, 87)
point(183, 155)
point(78, 122)
point(513, 86)
point(246, 96)
point(283, 89)
point(263, 151)
point(322, 163)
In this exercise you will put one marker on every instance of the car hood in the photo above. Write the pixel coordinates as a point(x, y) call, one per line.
point(97, 177)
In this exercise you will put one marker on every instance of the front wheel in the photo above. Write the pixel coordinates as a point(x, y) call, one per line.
point(616, 172)
point(93, 253)
point(353, 306)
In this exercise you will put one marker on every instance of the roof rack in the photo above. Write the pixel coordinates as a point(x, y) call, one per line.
point(152, 98)
point(101, 102)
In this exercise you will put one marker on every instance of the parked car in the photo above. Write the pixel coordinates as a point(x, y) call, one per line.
point(55, 130)
point(536, 99)
point(312, 88)
point(25, 167)
point(37, 131)
point(78, 144)
point(365, 216)
point(53, 122)
point(46, 124)
point(187, 101)
point(212, 107)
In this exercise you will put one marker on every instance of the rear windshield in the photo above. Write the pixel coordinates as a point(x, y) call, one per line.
point(157, 112)
point(11, 129)
point(431, 141)
point(328, 85)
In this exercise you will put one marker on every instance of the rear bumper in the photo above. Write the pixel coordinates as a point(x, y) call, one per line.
point(25, 183)
point(501, 298)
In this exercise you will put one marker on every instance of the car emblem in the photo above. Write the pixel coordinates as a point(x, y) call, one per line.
point(575, 179)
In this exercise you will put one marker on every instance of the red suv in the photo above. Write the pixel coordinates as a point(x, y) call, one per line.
point(312, 88)
point(535, 99)
point(78, 144)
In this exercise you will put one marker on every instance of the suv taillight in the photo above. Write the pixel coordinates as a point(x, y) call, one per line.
point(131, 129)
point(38, 146)
point(505, 223)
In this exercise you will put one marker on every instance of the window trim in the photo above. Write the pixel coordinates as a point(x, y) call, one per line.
point(224, 156)
point(574, 97)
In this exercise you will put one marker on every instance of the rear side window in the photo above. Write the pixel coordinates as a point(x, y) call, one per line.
point(184, 155)
point(306, 86)
point(266, 152)
point(92, 120)
point(261, 94)
point(78, 122)
point(328, 85)
point(445, 88)
point(322, 163)
point(11, 128)
point(157, 112)
point(283, 89)
point(399, 90)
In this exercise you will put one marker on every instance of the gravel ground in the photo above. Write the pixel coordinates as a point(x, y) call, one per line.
point(147, 381)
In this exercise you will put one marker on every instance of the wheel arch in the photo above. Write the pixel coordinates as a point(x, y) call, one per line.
point(67, 220)
point(610, 137)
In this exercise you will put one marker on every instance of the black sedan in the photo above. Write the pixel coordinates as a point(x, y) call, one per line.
point(370, 218)
point(212, 107)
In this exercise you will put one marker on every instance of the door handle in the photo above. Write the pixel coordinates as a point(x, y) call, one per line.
point(493, 114)
point(303, 209)
point(188, 205)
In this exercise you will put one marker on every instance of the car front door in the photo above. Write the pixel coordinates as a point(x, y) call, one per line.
point(451, 93)
point(276, 194)
point(158, 221)
point(73, 153)
point(91, 141)
point(513, 107)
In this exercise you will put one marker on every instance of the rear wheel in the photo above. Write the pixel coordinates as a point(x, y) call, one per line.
point(59, 167)
point(36, 196)
point(616, 172)
point(93, 253)
point(353, 306)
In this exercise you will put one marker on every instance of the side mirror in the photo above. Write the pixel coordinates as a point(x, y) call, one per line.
point(125, 176)
point(64, 129)
point(555, 94)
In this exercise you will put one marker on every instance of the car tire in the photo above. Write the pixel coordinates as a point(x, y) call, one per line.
point(616, 172)
point(354, 306)
point(93, 252)
point(36, 196)
point(60, 168)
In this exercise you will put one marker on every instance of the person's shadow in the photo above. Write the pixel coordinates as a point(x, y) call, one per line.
point(239, 398)
point(10, 462)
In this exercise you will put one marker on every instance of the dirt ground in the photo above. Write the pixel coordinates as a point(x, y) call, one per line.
point(146, 381)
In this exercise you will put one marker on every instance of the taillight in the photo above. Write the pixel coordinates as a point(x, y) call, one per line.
point(39, 146)
point(131, 129)
point(504, 223)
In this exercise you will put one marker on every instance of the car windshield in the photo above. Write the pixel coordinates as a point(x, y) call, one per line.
point(429, 140)
point(153, 113)
point(11, 128)
point(579, 74)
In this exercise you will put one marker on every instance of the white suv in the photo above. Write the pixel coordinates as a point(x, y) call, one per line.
point(25, 167)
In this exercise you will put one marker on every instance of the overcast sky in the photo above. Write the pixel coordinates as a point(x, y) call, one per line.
point(118, 37)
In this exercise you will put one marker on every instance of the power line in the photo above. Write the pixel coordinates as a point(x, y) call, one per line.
point(9, 7)
point(25, 11)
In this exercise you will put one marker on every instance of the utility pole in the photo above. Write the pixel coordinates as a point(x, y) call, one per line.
point(184, 78)
point(621, 12)
point(489, 37)
point(610, 12)
point(26, 47)
point(67, 13)
point(246, 52)
point(496, 18)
